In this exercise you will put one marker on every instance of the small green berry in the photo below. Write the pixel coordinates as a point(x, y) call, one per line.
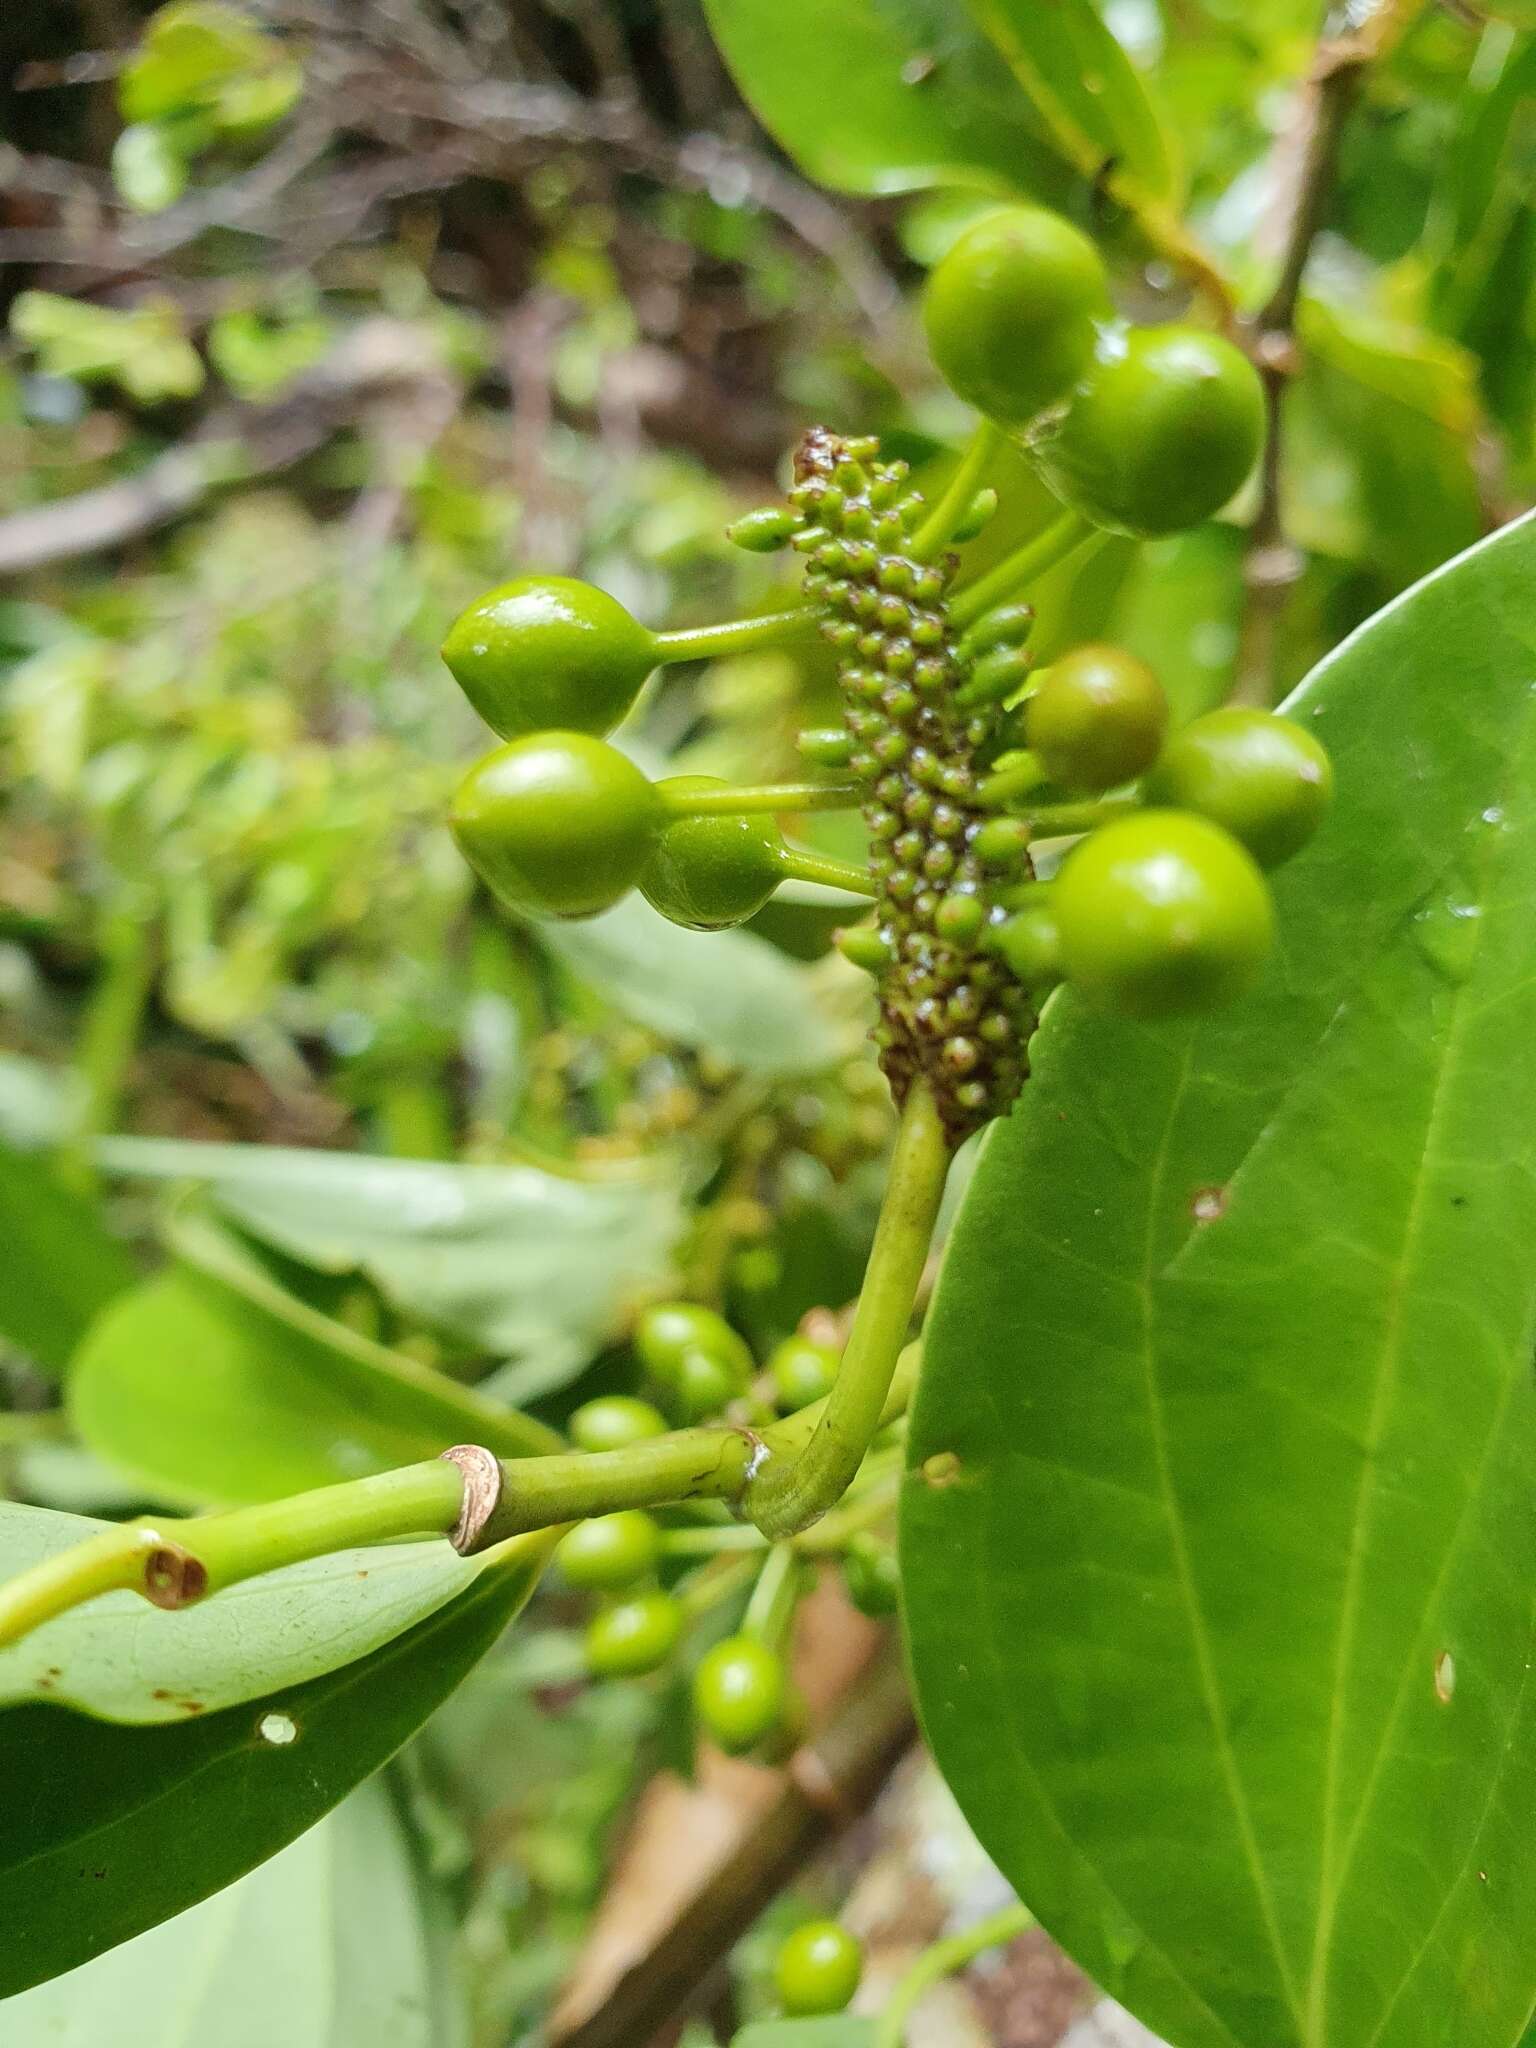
point(764, 531)
point(547, 652)
point(610, 1551)
point(1031, 945)
point(1162, 913)
point(633, 1636)
point(711, 872)
point(1263, 777)
point(872, 1577)
point(672, 1331)
point(558, 824)
point(739, 1692)
point(1096, 719)
point(802, 1372)
point(818, 1969)
point(613, 1422)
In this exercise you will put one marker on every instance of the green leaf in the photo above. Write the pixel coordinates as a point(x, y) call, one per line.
point(203, 62)
point(212, 1384)
point(61, 1263)
point(525, 1263)
point(122, 1827)
point(147, 167)
point(123, 1660)
point(1220, 1597)
point(843, 2030)
point(142, 348)
point(322, 1947)
point(726, 993)
point(923, 97)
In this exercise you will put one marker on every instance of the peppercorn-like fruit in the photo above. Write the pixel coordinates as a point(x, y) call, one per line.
point(872, 1576)
point(1165, 425)
point(1010, 311)
point(558, 824)
point(1031, 945)
point(667, 1334)
point(710, 872)
point(818, 1969)
point(547, 651)
point(615, 1421)
point(610, 1551)
point(802, 1372)
point(1265, 778)
point(739, 1691)
point(633, 1636)
point(1161, 913)
point(1096, 719)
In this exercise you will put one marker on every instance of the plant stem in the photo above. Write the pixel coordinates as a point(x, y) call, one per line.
point(109, 1035)
point(175, 1563)
point(1063, 537)
point(785, 1495)
point(772, 1605)
point(943, 1960)
point(956, 498)
point(736, 636)
point(777, 796)
point(800, 864)
point(1061, 821)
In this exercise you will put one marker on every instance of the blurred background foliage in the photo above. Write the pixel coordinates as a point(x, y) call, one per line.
point(321, 319)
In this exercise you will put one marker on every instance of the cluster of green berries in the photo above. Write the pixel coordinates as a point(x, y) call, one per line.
point(954, 748)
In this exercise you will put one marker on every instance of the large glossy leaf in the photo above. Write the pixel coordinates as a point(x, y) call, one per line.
point(998, 93)
point(527, 1263)
point(1221, 1608)
point(322, 1947)
point(211, 1385)
point(106, 1831)
point(60, 1262)
point(123, 1660)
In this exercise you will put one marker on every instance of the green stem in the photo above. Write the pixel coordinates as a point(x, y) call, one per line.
point(1060, 821)
point(774, 1598)
point(777, 796)
point(800, 864)
point(785, 1495)
point(955, 500)
point(1017, 776)
point(736, 636)
point(943, 1960)
point(109, 1035)
point(1063, 537)
point(175, 1563)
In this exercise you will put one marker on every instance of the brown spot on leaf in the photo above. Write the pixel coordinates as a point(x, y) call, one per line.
point(1207, 1204)
point(942, 1469)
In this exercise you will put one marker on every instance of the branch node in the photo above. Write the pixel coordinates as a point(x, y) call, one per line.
point(481, 1471)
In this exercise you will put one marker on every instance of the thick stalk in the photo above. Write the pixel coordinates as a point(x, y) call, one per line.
point(1063, 537)
point(785, 1495)
point(959, 494)
point(943, 1960)
point(737, 636)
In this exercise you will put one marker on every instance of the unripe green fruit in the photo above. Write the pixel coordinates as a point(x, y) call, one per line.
point(702, 1384)
point(1097, 719)
point(549, 652)
point(610, 1551)
point(711, 872)
point(1265, 778)
point(1165, 425)
point(802, 1372)
point(558, 824)
point(872, 1577)
point(615, 1421)
point(818, 1969)
point(739, 1691)
point(1031, 945)
point(1010, 312)
point(633, 1636)
point(667, 1335)
point(1162, 913)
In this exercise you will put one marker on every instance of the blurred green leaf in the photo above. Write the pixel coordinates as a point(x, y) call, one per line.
point(148, 169)
point(123, 1827)
point(525, 1263)
point(725, 993)
point(257, 356)
point(61, 1263)
point(143, 348)
point(120, 1659)
point(322, 1947)
point(1222, 1624)
point(1180, 609)
point(202, 60)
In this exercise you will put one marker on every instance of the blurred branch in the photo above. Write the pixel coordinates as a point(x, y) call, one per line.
point(1307, 158)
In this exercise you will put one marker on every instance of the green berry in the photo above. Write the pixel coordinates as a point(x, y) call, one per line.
point(610, 1551)
point(549, 652)
point(1164, 427)
point(674, 1331)
point(872, 1576)
point(633, 1636)
point(818, 1969)
point(1011, 310)
point(710, 872)
point(764, 531)
point(1265, 778)
point(1096, 719)
point(613, 1422)
point(739, 1692)
point(1161, 913)
point(558, 824)
point(1031, 945)
point(802, 1372)
point(703, 1384)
